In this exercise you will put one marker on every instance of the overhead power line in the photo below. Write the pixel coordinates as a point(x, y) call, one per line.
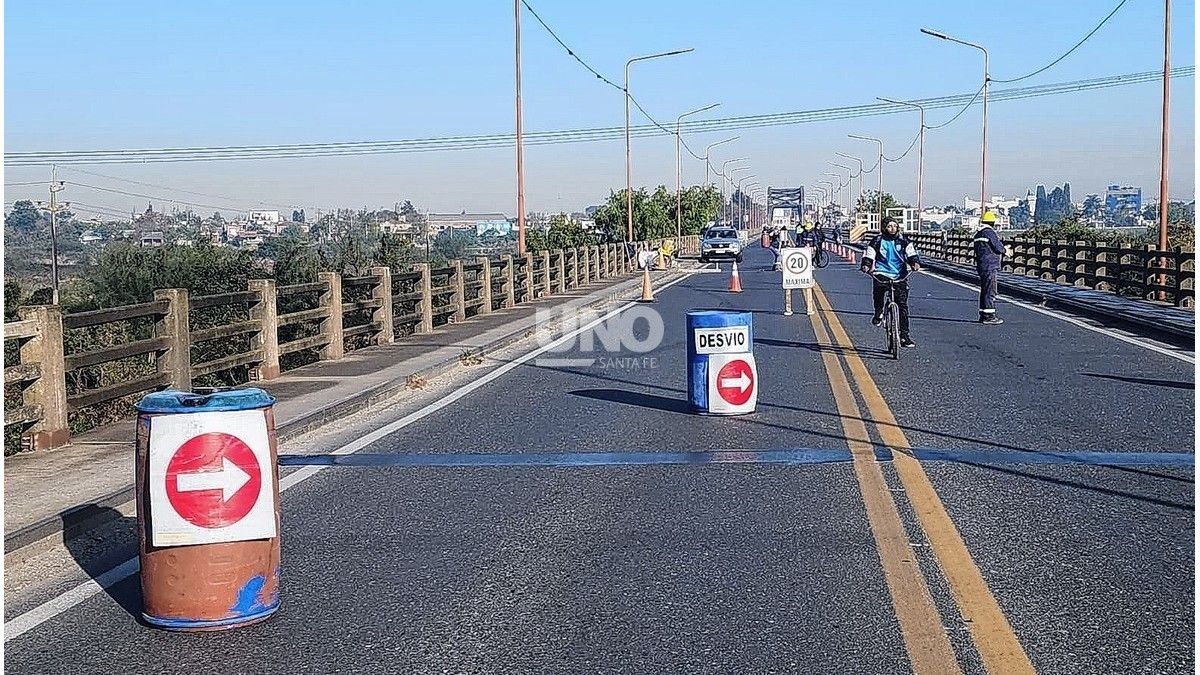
point(158, 197)
point(905, 153)
point(960, 112)
point(1069, 51)
point(573, 54)
point(174, 189)
point(225, 153)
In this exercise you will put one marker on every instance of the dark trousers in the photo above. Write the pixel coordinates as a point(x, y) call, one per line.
point(987, 291)
point(899, 296)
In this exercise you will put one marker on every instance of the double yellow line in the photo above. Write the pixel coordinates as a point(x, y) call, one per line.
point(925, 638)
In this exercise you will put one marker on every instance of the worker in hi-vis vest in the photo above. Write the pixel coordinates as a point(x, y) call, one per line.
point(989, 251)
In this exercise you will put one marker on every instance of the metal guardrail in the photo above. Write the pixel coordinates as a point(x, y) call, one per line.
point(1118, 268)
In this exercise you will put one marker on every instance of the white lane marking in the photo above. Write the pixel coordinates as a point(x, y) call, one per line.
point(35, 617)
point(48, 610)
point(1072, 320)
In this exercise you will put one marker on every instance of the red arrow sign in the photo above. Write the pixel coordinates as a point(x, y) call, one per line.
point(735, 382)
point(213, 480)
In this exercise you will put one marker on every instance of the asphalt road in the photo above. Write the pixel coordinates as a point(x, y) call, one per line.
point(745, 565)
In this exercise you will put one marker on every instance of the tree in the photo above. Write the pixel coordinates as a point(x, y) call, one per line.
point(394, 252)
point(292, 258)
point(1018, 216)
point(1055, 206)
point(450, 244)
point(12, 300)
point(700, 206)
point(868, 202)
point(563, 232)
point(350, 254)
point(24, 217)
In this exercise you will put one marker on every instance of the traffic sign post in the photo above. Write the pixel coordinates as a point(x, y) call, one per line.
point(722, 378)
point(208, 509)
point(797, 273)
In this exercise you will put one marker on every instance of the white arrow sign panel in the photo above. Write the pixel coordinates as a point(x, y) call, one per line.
point(224, 492)
point(732, 384)
point(228, 480)
point(741, 382)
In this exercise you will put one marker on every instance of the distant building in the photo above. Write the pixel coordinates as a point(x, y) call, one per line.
point(1123, 198)
point(152, 239)
point(480, 223)
point(402, 229)
point(906, 218)
point(265, 217)
point(90, 237)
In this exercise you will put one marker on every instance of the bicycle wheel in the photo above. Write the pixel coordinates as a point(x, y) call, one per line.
point(894, 330)
point(820, 257)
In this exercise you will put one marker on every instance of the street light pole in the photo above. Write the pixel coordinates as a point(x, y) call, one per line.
point(679, 170)
point(628, 154)
point(860, 174)
point(839, 184)
point(520, 138)
point(920, 156)
point(724, 181)
point(732, 186)
point(880, 167)
point(707, 164)
point(849, 186)
point(986, 79)
point(829, 195)
point(742, 201)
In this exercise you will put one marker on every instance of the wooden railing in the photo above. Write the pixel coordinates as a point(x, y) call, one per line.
point(1118, 268)
point(69, 364)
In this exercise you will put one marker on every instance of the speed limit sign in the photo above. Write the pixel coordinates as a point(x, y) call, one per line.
point(797, 267)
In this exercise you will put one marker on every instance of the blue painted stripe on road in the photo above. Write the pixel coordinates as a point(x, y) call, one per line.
point(1088, 458)
point(783, 456)
point(811, 456)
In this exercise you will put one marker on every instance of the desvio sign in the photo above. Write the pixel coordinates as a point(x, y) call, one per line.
point(726, 340)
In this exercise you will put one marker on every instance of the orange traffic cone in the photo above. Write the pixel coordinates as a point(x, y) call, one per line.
point(647, 291)
point(735, 282)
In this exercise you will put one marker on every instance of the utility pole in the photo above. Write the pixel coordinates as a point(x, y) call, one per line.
point(520, 141)
point(54, 207)
point(1163, 209)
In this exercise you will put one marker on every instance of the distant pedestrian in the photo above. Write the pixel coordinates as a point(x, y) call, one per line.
point(989, 251)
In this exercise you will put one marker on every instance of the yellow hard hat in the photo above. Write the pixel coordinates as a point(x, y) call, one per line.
point(988, 217)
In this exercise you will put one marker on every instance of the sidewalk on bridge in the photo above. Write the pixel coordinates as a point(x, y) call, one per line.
point(81, 485)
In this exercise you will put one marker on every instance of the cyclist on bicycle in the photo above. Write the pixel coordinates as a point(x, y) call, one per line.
point(890, 256)
point(806, 235)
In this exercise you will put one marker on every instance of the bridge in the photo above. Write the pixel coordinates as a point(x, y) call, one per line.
point(508, 492)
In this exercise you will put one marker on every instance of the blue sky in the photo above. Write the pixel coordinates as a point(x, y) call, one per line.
point(155, 74)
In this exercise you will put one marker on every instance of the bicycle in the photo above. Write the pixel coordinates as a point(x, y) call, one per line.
point(891, 316)
point(820, 255)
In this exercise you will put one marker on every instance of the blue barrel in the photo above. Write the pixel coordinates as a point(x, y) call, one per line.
point(711, 331)
point(207, 490)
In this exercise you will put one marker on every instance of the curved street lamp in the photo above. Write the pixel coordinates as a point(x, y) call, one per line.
point(628, 160)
